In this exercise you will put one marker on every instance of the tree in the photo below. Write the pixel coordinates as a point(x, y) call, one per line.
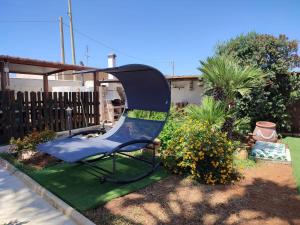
point(276, 56)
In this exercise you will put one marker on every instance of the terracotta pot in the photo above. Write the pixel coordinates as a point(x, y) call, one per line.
point(265, 131)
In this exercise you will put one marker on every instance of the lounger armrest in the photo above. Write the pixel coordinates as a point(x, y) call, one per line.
point(137, 141)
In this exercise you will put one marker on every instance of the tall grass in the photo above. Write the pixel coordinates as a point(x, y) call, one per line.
point(148, 115)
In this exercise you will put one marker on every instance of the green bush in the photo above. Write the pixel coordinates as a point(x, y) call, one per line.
point(30, 141)
point(174, 121)
point(242, 127)
point(201, 151)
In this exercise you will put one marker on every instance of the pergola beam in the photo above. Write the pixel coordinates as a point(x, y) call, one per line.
point(108, 81)
point(54, 72)
point(41, 63)
point(36, 67)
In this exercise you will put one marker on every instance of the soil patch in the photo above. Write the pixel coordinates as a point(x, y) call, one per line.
point(40, 160)
point(267, 195)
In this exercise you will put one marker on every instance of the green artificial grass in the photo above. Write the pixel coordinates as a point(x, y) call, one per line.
point(294, 146)
point(82, 190)
point(244, 163)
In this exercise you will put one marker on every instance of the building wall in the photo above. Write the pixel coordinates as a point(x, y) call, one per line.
point(181, 90)
point(26, 82)
point(35, 77)
point(186, 91)
point(67, 76)
point(21, 84)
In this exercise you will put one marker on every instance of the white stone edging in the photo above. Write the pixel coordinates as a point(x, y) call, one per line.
point(56, 202)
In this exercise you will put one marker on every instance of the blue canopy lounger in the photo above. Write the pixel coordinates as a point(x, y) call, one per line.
point(146, 89)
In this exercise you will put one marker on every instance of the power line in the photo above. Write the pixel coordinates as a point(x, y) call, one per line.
point(28, 21)
point(86, 36)
point(112, 48)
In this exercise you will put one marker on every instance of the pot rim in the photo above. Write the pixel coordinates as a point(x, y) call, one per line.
point(265, 124)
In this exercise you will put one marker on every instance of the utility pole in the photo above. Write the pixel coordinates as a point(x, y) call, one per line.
point(173, 67)
point(87, 55)
point(62, 42)
point(71, 32)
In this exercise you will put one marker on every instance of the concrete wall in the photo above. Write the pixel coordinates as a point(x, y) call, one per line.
point(20, 84)
point(186, 91)
point(25, 82)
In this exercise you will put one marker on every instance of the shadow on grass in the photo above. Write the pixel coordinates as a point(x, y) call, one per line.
point(78, 187)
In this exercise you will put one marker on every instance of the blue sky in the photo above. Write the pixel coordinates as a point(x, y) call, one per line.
point(152, 32)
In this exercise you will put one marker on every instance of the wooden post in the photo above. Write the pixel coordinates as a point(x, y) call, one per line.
point(45, 84)
point(98, 103)
point(3, 77)
point(96, 115)
point(110, 111)
point(102, 103)
point(96, 83)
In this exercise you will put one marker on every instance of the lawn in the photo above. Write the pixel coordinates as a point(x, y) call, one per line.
point(294, 146)
point(82, 190)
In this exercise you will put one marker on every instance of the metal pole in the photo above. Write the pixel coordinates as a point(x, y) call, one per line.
point(87, 55)
point(173, 67)
point(62, 42)
point(71, 32)
point(69, 116)
point(62, 45)
point(69, 125)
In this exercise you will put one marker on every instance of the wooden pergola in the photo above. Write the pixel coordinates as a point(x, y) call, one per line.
point(10, 64)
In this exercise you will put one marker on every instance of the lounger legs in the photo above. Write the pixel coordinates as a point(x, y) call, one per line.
point(105, 175)
point(153, 157)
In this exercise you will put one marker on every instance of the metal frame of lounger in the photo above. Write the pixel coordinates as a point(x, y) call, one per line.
point(164, 106)
point(107, 175)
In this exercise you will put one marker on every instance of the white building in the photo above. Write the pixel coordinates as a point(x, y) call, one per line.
point(186, 89)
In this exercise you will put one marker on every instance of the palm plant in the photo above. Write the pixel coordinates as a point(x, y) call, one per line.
point(226, 79)
point(210, 111)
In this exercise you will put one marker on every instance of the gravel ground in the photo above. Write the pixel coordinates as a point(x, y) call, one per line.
point(267, 195)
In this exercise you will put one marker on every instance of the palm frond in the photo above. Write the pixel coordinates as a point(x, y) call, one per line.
point(222, 72)
point(210, 111)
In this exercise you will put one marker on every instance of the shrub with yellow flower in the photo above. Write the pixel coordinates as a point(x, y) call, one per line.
point(201, 151)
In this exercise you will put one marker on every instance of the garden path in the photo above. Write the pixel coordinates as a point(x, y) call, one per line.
point(19, 205)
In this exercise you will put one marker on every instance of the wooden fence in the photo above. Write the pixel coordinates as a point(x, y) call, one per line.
point(294, 111)
point(23, 112)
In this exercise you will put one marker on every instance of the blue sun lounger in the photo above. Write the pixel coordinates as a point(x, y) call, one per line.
point(145, 89)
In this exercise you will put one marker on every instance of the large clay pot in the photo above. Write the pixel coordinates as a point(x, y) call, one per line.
point(265, 131)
